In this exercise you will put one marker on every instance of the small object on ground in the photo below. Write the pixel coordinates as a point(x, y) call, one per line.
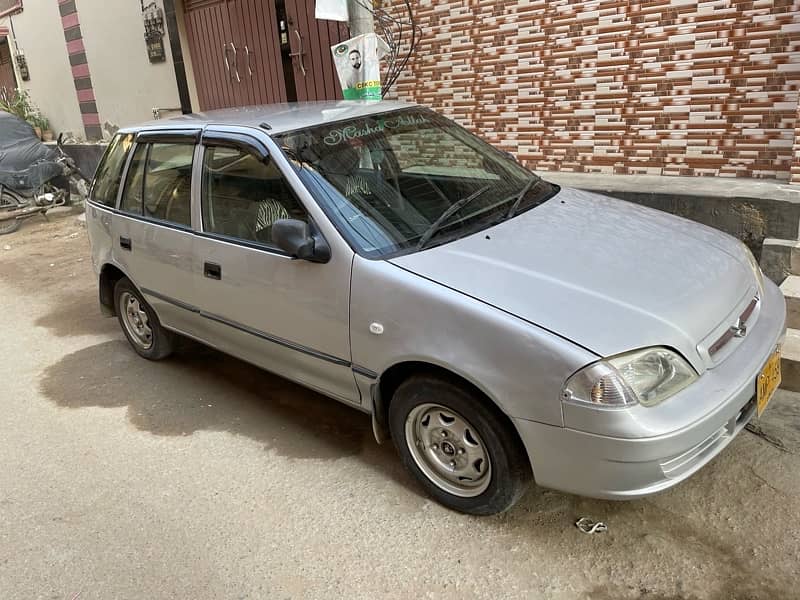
point(586, 525)
point(770, 439)
point(6, 247)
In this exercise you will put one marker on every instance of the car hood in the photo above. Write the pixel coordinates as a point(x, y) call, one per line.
point(606, 274)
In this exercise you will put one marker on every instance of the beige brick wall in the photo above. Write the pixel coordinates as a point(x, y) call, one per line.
point(668, 87)
point(796, 157)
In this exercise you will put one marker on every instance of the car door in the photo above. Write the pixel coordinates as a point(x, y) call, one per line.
point(153, 239)
point(288, 316)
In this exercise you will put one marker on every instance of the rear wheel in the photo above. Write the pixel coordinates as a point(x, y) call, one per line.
point(140, 324)
point(9, 201)
point(462, 450)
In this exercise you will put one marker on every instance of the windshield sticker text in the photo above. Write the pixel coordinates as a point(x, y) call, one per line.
point(352, 132)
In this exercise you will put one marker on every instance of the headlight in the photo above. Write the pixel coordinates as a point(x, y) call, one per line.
point(755, 267)
point(644, 377)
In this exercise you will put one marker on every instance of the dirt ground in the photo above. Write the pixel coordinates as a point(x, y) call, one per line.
point(203, 477)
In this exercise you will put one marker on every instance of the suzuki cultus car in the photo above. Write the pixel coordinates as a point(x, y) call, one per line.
point(498, 328)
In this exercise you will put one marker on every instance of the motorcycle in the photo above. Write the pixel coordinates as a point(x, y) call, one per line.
point(34, 178)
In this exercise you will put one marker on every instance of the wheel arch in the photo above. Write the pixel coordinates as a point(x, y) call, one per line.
point(392, 377)
point(110, 274)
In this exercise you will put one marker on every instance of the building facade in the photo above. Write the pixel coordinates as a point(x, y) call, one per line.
point(87, 62)
point(666, 87)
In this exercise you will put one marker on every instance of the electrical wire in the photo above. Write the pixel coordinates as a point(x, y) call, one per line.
point(402, 35)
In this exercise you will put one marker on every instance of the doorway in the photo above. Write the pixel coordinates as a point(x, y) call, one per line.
point(248, 52)
point(8, 80)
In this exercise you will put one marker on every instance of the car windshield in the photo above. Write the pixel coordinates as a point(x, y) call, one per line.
point(405, 180)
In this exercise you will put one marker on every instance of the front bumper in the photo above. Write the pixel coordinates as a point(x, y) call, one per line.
point(697, 424)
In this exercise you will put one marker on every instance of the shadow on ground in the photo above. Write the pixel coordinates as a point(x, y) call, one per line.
point(77, 313)
point(202, 389)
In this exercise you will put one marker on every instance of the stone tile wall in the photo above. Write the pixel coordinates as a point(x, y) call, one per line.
point(618, 86)
point(795, 171)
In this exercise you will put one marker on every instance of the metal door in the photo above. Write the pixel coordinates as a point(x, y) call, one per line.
point(288, 316)
point(311, 40)
point(158, 256)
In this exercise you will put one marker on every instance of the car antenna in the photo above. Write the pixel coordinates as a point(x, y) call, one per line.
point(266, 126)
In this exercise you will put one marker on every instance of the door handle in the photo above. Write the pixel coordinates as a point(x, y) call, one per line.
point(212, 271)
point(236, 63)
point(249, 66)
point(125, 243)
point(299, 53)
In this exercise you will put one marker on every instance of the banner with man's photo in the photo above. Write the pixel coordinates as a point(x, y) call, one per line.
point(358, 63)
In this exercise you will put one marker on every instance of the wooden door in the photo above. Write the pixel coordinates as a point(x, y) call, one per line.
point(260, 77)
point(311, 40)
point(7, 78)
point(236, 53)
point(208, 30)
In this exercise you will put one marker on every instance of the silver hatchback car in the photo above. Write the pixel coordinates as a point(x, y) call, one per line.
point(498, 328)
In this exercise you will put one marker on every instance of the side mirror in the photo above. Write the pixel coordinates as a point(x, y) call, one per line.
point(297, 239)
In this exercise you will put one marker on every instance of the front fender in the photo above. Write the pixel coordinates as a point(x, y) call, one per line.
point(518, 365)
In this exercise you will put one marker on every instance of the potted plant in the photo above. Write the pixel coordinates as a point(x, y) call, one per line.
point(47, 133)
point(18, 102)
point(35, 122)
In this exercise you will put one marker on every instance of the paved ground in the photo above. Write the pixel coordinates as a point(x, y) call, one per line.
point(202, 477)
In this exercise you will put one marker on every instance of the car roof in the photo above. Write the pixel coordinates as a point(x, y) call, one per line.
point(280, 117)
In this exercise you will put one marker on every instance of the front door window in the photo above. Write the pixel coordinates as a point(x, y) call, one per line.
point(243, 196)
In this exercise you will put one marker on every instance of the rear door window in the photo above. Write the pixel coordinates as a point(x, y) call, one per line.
point(132, 196)
point(168, 183)
point(109, 173)
point(159, 183)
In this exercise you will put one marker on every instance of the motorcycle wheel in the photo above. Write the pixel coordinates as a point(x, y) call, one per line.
point(9, 201)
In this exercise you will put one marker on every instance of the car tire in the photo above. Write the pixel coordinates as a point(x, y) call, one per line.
point(461, 449)
point(140, 323)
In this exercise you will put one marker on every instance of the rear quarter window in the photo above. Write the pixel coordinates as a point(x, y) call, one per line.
point(109, 172)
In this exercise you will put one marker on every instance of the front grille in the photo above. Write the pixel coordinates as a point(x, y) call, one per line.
point(730, 333)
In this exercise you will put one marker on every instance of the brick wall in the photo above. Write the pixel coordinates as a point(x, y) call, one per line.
point(657, 86)
point(796, 157)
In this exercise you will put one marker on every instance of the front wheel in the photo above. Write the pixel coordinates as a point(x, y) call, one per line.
point(462, 450)
point(9, 201)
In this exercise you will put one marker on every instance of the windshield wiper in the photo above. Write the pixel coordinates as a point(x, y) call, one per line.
point(533, 182)
point(454, 208)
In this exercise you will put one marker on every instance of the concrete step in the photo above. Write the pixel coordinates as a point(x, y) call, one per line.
point(791, 291)
point(780, 258)
point(790, 361)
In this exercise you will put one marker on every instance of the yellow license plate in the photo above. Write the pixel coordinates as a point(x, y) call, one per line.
point(768, 381)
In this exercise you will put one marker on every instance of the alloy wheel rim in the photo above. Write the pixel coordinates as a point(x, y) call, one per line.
point(448, 450)
point(137, 323)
